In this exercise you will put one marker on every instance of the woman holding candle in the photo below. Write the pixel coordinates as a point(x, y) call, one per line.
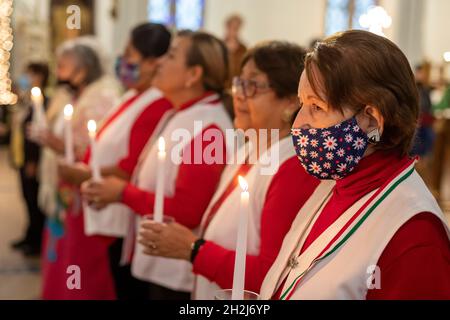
point(265, 97)
point(376, 232)
point(192, 76)
point(26, 154)
point(82, 69)
point(118, 144)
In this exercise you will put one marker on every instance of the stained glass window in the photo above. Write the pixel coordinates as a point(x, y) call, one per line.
point(189, 14)
point(159, 11)
point(344, 14)
point(337, 16)
point(181, 14)
point(361, 7)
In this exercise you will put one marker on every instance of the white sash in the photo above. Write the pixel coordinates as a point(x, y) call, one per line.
point(171, 273)
point(222, 229)
point(301, 271)
point(112, 146)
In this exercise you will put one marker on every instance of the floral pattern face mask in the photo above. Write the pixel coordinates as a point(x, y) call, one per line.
point(331, 153)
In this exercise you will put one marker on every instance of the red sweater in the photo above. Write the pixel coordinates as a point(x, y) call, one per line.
point(288, 191)
point(416, 262)
point(141, 130)
point(194, 186)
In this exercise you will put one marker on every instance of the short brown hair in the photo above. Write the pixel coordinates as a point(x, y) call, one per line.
point(282, 62)
point(360, 68)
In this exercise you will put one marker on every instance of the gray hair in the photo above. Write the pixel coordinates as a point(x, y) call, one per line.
point(87, 54)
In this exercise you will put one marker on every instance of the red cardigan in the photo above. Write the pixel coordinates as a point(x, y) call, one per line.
point(416, 262)
point(194, 186)
point(288, 191)
point(141, 130)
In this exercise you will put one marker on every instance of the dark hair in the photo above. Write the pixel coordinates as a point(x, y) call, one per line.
point(40, 69)
point(152, 40)
point(358, 68)
point(211, 54)
point(282, 62)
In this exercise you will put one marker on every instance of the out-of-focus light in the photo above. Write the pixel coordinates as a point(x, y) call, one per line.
point(375, 20)
point(447, 56)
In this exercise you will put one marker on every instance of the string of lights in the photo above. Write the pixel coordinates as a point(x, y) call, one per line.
point(6, 44)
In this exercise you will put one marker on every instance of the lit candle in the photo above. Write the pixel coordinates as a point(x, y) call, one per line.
point(158, 210)
point(241, 244)
point(68, 137)
point(38, 101)
point(92, 128)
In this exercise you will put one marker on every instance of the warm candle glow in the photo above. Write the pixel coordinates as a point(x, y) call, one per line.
point(161, 145)
point(92, 126)
point(447, 56)
point(36, 92)
point(243, 183)
point(68, 111)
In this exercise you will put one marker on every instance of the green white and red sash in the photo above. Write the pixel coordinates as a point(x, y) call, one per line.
point(352, 225)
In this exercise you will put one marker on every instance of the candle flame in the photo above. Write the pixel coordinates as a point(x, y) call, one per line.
point(447, 56)
point(36, 92)
point(68, 111)
point(161, 144)
point(243, 183)
point(92, 126)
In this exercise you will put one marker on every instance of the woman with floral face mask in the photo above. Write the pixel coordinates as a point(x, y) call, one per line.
point(374, 231)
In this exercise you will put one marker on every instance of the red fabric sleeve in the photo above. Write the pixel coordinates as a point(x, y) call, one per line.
point(141, 131)
point(289, 190)
point(416, 262)
point(194, 187)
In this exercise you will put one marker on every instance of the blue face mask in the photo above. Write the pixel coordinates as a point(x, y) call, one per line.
point(24, 83)
point(127, 73)
point(331, 153)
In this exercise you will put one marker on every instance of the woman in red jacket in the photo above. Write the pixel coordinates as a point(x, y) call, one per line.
point(93, 240)
point(265, 98)
point(192, 76)
point(373, 230)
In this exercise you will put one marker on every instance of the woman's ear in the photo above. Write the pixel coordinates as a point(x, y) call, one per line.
point(195, 75)
point(371, 119)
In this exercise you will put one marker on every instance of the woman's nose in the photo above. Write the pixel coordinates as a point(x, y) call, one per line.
point(301, 121)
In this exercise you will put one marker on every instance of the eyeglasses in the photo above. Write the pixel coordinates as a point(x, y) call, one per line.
point(247, 88)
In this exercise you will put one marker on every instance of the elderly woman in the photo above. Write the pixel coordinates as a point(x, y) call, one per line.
point(82, 69)
point(265, 99)
point(373, 231)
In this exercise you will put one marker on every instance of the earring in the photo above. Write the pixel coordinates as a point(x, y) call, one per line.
point(374, 136)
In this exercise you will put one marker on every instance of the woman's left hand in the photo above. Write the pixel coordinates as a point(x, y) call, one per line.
point(100, 194)
point(75, 174)
point(171, 240)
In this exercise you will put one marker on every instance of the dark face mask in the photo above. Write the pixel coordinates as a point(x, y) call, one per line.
point(128, 73)
point(67, 83)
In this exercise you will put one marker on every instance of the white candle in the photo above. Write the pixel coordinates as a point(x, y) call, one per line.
point(92, 128)
point(241, 244)
point(38, 115)
point(158, 210)
point(68, 137)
